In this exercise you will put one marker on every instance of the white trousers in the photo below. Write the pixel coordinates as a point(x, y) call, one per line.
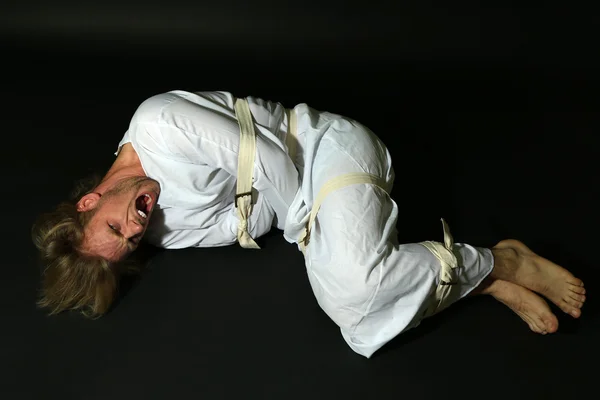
point(371, 286)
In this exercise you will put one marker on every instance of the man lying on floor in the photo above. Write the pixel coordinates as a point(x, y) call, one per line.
point(221, 170)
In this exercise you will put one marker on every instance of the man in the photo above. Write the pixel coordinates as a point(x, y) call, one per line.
point(206, 169)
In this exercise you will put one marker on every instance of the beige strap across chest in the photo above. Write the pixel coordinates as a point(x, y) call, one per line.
point(291, 140)
point(246, 154)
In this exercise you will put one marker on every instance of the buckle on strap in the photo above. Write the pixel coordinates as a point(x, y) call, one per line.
point(237, 196)
point(306, 239)
point(443, 283)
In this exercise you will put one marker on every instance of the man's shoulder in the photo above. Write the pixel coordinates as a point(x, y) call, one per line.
point(150, 110)
point(157, 108)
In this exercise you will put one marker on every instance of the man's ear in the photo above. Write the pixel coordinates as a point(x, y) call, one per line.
point(88, 202)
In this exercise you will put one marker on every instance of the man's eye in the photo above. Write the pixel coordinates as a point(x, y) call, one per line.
point(112, 227)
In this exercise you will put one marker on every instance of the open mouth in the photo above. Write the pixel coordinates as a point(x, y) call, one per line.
point(143, 205)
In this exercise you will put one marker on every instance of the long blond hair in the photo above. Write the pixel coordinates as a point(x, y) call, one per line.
point(72, 280)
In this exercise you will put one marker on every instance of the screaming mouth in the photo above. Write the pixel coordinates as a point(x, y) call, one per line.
point(142, 204)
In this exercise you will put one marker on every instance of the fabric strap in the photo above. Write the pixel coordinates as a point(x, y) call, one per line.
point(291, 139)
point(448, 272)
point(443, 252)
point(335, 184)
point(243, 200)
point(246, 154)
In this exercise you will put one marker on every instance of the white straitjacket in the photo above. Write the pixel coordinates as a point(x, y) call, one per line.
point(371, 286)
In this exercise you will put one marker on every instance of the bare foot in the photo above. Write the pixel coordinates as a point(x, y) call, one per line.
point(529, 306)
point(518, 264)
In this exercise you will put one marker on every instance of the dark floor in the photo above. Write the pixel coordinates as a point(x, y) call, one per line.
point(500, 148)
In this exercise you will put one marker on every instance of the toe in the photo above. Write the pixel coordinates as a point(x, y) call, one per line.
point(535, 328)
point(537, 325)
point(534, 322)
point(577, 297)
point(575, 282)
point(569, 309)
point(551, 323)
point(577, 289)
point(573, 302)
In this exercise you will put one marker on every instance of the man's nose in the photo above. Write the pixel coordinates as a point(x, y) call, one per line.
point(135, 227)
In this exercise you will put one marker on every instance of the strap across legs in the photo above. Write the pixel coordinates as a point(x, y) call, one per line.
point(443, 252)
point(246, 154)
point(449, 263)
point(334, 184)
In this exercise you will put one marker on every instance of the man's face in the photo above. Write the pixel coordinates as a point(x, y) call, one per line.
point(121, 217)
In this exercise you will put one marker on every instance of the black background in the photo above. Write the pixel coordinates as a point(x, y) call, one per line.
point(490, 112)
